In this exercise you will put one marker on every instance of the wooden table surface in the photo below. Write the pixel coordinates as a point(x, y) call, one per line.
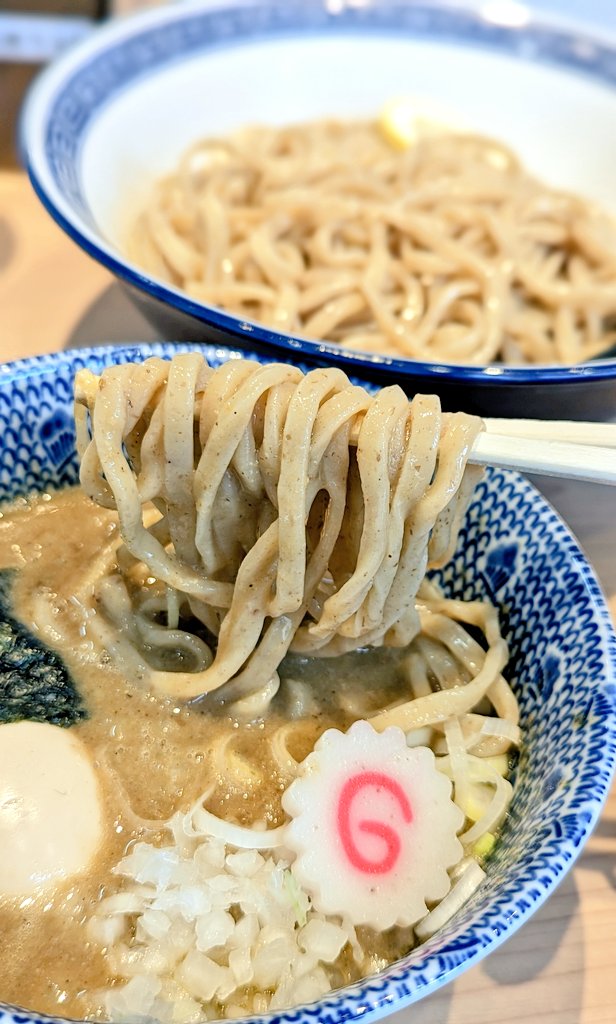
point(561, 967)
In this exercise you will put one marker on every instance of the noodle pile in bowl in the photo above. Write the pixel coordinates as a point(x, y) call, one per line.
point(448, 251)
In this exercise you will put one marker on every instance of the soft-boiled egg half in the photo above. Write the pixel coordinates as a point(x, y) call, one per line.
point(51, 820)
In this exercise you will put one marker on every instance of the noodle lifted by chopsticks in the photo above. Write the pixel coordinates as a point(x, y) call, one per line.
point(293, 512)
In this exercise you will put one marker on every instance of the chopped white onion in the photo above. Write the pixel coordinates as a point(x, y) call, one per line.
point(463, 889)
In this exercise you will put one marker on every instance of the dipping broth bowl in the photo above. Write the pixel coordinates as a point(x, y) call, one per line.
point(514, 550)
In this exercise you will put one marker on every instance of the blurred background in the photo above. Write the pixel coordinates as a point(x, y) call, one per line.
point(32, 32)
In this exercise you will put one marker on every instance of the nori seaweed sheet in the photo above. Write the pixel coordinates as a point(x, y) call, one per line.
point(35, 683)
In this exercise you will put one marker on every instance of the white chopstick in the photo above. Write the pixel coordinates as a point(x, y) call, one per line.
point(580, 451)
point(602, 434)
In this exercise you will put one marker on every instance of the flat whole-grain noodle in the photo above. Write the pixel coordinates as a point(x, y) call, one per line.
point(291, 512)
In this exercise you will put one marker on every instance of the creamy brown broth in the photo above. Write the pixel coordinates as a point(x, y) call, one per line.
point(153, 756)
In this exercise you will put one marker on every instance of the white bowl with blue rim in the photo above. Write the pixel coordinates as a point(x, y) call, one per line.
point(116, 112)
point(514, 550)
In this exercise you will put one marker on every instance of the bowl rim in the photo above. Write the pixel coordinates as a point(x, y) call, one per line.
point(563, 41)
point(377, 995)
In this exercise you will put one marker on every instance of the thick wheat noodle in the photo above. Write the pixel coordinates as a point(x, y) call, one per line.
point(439, 706)
point(447, 251)
point(270, 525)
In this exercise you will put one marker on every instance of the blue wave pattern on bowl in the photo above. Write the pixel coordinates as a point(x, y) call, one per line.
point(111, 71)
point(514, 550)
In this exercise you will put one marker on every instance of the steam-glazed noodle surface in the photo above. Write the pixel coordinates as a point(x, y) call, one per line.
point(192, 909)
point(448, 251)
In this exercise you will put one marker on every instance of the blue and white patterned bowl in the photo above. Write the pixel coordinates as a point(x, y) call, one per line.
point(118, 110)
point(514, 550)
